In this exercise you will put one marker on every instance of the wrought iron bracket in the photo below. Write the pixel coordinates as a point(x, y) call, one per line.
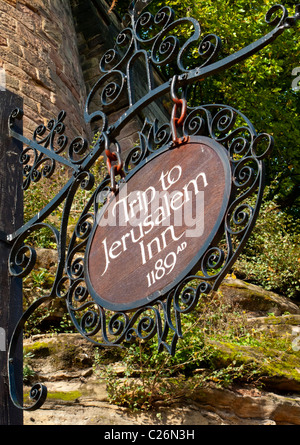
point(49, 146)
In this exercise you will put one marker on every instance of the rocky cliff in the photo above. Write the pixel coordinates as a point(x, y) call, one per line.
point(271, 396)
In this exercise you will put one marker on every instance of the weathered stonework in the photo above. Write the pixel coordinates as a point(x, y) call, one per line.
point(50, 52)
point(96, 31)
point(39, 54)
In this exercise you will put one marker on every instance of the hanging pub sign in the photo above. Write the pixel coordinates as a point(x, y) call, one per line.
point(172, 215)
point(155, 230)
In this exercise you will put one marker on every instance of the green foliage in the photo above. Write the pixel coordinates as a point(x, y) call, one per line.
point(150, 377)
point(47, 318)
point(260, 87)
point(28, 372)
point(41, 193)
point(70, 396)
point(271, 257)
point(218, 348)
point(40, 280)
point(35, 199)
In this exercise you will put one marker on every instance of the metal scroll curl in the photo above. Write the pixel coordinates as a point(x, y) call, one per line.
point(163, 316)
point(148, 38)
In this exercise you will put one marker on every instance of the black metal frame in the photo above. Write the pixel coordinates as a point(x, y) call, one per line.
point(50, 146)
point(195, 265)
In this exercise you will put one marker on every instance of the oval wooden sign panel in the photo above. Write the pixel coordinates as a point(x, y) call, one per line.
point(153, 233)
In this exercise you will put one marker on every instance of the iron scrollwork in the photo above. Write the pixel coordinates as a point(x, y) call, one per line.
point(149, 40)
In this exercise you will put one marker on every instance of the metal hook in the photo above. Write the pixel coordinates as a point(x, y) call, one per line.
point(177, 121)
point(115, 156)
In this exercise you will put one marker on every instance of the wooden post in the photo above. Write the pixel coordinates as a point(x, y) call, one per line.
point(11, 218)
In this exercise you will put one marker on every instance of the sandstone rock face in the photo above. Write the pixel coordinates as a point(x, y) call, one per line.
point(65, 363)
point(78, 396)
point(256, 299)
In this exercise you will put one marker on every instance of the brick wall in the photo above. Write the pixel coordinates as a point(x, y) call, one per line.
point(40, 58)
point(50, 52)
